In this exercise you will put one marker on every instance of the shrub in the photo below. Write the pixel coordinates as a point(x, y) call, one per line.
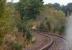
point(16, 46)
point(1, 40)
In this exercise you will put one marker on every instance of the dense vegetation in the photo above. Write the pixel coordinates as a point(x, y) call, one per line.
point(18, 19)
point(28, 10)
point(67, 9)
point(53, 19)
point(6, 20)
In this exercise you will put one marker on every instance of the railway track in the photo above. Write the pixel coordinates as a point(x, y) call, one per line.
point(58, 42)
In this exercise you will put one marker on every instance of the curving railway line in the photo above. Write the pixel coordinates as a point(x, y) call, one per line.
point(58, 42)
point(49, 41)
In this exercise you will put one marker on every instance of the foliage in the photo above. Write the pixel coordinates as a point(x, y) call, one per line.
point(2, 4)
point(54, 19)
point(29, 8)
point(6, 19)
point(57, 6)
point(16, 46)
point(2, 7)
point(1, 40)
point(67, 9)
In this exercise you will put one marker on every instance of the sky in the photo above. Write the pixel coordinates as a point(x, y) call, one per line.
point(61, 2)
point(13, 0)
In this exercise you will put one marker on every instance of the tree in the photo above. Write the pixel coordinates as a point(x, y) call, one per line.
point(6, 19)
point(57, 6)
point(30, 8)
point(2, 4)
point(54, 19)
point(2, 9)
point(67, 9)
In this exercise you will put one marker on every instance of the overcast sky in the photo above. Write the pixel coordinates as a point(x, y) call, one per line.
point(62, 2)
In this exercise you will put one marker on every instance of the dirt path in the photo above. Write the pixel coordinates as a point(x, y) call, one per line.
point(41, 41)
point(58, 44)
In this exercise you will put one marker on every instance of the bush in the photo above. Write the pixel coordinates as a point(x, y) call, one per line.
point(1, 40)
point(61, 30)
point(16, 46)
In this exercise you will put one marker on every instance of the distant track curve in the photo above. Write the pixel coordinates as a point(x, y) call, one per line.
point(56, 41)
